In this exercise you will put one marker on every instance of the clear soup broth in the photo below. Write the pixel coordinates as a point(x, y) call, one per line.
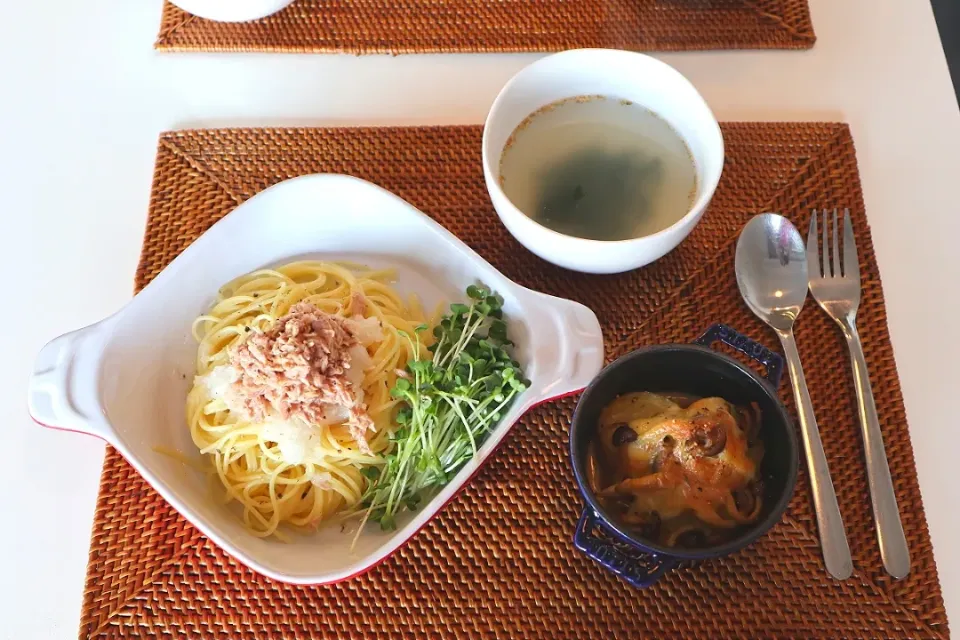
point(599, 168)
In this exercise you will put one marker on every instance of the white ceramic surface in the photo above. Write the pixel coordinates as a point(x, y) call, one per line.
point(616, 74)
point(232, 10)
point(125, 379)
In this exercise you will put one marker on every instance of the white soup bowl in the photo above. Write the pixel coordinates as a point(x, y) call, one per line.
point(619, 75)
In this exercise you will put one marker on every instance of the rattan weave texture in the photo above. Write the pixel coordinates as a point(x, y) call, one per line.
point(473, 26)
point(498, 561)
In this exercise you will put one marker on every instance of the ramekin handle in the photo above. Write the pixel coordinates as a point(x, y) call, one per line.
point(772, 361)
point(638, 568)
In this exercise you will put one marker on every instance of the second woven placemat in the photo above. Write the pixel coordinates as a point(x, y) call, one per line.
point(474, 26)
point(499, 560)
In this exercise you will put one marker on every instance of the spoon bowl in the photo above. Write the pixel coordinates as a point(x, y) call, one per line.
point(771, 267)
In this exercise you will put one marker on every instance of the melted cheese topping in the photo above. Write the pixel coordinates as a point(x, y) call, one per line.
point(663, 461)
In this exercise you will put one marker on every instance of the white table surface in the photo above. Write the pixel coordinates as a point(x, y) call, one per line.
point(84, 96)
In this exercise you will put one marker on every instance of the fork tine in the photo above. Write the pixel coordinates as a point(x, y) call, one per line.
point(851, 262)
point(813, 255)
point(836, 246)
point(826, 247)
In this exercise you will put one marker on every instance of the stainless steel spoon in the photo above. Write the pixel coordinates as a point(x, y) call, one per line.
point(771, 267)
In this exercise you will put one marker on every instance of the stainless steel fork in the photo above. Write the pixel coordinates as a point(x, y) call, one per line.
point(838, 292)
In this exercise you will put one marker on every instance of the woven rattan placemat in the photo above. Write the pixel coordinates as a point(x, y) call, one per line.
point(499, 561)
point(471, 26)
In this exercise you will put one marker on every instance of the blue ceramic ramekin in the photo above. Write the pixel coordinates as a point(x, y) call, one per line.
point(698, 370)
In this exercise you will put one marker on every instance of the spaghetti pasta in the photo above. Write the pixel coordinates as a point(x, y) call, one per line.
point(283, 470)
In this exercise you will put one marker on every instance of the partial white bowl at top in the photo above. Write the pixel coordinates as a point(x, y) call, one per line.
point(615, 74)
point(232, 10)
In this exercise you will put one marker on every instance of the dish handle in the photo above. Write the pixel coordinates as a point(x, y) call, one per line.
point(772, 361)
point(637, 567)
point(63, 388)
point(565, 342)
